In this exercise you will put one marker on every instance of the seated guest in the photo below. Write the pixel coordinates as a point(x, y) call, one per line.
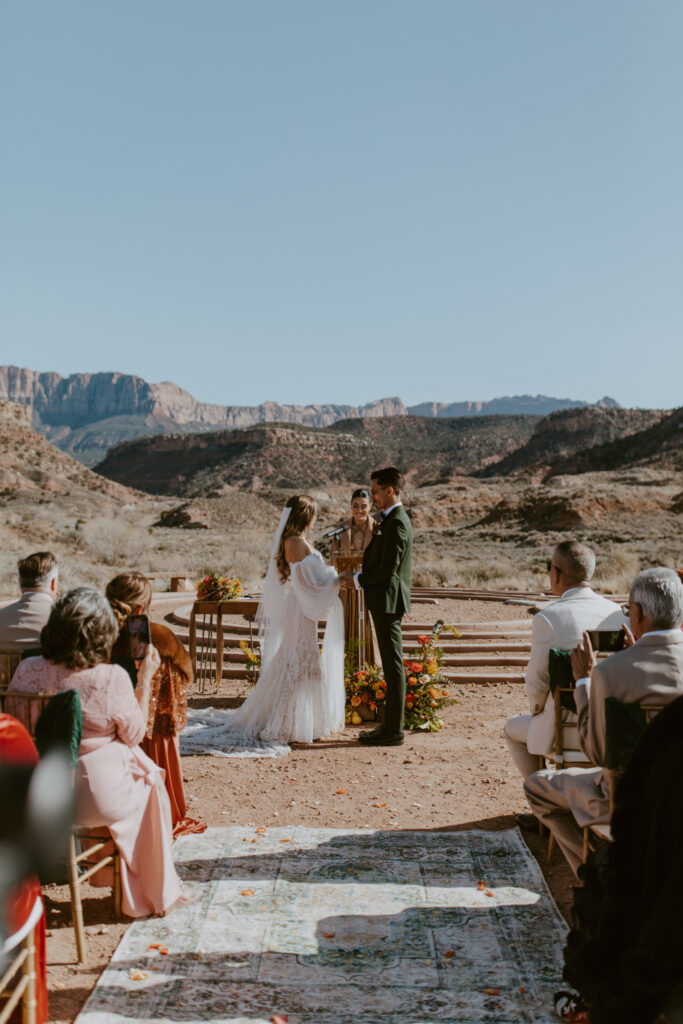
point(118, 786)
point(561, 625)
point(23, 909)
point(131, 594)
point(648, 672)
point(22, 621)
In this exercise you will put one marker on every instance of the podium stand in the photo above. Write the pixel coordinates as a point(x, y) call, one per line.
point(352, 561)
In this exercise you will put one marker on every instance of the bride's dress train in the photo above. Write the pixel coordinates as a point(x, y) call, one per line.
point(299, 696)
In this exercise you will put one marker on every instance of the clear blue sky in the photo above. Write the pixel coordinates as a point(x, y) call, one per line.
point(339, 200)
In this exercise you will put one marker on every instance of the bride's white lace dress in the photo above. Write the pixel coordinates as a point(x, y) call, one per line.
point(299, 696)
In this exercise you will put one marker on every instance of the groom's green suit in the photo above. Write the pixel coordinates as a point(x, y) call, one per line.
point(385, 579)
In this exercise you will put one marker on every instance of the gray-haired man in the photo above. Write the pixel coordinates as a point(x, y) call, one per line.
point(22, 621)
point(648, 672)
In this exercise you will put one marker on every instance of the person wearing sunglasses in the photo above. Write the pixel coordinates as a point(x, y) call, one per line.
point(561, 625)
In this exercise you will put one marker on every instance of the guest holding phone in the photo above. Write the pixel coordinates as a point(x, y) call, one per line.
point(130, 596)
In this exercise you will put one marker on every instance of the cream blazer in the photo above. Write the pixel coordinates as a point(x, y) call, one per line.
point(22, 621)
point(561, 624)
point(650, 672)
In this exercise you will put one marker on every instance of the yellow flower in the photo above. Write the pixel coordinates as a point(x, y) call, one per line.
point(432, 668)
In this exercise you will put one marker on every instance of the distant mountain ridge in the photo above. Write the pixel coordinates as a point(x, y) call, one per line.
point(86, 414)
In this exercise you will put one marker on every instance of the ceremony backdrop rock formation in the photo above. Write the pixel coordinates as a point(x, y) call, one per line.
point(85, 414)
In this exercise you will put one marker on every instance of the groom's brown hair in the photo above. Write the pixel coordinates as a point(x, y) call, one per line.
point(389, 477)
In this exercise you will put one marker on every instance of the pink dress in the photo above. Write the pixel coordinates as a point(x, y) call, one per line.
point(117, 784)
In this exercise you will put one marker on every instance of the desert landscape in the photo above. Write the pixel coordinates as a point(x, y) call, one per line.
point(489, 496)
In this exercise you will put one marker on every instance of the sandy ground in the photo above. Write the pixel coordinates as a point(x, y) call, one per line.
point(458, 778)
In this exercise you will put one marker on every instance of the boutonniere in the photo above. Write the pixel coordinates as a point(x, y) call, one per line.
point(376, 528)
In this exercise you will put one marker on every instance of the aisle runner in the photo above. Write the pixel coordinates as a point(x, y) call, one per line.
point(335, 926)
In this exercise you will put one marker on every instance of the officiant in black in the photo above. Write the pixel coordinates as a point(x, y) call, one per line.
point(356, 537)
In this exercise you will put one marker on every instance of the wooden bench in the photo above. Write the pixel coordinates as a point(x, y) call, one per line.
point(180, 581)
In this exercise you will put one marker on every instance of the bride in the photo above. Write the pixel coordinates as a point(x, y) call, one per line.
point(299, 696)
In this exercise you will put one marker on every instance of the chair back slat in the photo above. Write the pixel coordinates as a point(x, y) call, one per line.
point(9, 660)
point(27, 707)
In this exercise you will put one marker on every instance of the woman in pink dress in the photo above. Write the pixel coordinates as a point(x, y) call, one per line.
point(118, 786)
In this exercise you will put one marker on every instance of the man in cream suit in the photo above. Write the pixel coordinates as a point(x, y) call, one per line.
point(22, 621)
point(561, 624)
point(648, 672)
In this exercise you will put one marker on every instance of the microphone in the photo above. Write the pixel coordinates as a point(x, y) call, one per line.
point(336, 532)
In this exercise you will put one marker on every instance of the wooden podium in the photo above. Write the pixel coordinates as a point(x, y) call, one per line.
point(352, 561)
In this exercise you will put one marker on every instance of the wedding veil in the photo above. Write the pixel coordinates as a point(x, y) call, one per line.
point(270, 611)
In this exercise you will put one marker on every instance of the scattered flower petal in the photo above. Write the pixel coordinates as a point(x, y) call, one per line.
point(135, 975)
point(247, 892)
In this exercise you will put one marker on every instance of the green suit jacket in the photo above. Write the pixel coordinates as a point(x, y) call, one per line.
point(386, 573)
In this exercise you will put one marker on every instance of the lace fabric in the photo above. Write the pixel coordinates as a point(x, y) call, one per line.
point(300, 693)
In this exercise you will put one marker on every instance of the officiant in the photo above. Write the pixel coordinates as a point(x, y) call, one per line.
point(355, 538)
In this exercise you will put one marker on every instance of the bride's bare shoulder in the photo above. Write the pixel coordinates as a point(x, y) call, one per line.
point(296, 549)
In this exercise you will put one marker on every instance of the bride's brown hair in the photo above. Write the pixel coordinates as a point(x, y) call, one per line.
point(304, 511)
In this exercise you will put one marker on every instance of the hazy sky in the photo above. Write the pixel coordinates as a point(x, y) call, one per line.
point(340, 200)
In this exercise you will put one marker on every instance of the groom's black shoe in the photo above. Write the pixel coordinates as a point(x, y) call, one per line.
point(365, 736)
point(381, 739)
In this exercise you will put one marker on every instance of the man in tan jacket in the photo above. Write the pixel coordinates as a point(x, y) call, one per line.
point(650, 671)
point(22, 621)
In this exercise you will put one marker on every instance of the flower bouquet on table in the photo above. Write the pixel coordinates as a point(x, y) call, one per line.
point(218, 588)
point(427, 690)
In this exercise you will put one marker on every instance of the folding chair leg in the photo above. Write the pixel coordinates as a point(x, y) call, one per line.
point(74, 886)
point(586, 843)
point(28, 1006)
point(551, 847)
point(117, 884)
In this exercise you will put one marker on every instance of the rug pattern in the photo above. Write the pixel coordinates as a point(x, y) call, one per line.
point(343, 927)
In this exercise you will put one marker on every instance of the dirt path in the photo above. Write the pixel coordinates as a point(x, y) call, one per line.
point(458, 778)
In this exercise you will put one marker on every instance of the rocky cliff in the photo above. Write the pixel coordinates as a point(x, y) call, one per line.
point(509, 405)
point(86, 413)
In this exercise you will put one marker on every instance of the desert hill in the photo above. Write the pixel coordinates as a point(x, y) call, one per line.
point(294, 457)
point(86, 414)
point(659, 445)
point(561, 442)
point(30, 465)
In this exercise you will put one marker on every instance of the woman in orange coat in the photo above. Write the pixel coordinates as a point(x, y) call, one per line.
point(131, 594)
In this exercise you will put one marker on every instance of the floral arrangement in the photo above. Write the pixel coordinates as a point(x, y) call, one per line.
point(426, 683)
point(426, 687)
point(253, 662)
point(218, 588)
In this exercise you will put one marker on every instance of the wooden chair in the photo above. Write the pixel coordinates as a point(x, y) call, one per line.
point(624, 725)
point(13, 991)
point(80, 866)
point(8, 665)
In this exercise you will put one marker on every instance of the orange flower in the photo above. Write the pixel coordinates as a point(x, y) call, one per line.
point(365, 698)
point(355, 701)
point(380, 695)
point(423, 640)
point(412, 680)
point(415, 666)
point(373, 707)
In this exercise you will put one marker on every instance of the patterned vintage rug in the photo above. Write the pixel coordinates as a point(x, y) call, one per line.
point(327, 926)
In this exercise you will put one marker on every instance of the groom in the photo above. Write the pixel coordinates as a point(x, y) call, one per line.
point(385, 581)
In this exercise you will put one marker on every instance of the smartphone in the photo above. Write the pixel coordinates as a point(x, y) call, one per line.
point(606, 641)
point(137, 627)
